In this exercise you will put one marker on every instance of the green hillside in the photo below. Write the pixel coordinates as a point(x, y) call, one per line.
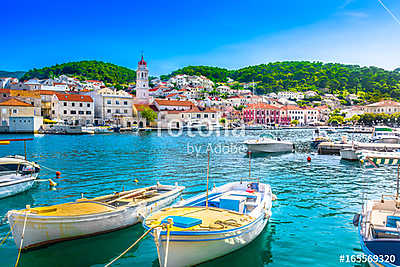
point(14, 74)
point(86, 70)
point(304, 75)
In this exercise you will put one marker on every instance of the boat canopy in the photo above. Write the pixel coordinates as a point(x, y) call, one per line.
point(267, 135)
point(379, 158)
point(383, 129)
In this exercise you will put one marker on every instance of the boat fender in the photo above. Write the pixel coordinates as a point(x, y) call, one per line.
point(52, 183)
point(249, 189)
point(356, 219)
point(274, 197)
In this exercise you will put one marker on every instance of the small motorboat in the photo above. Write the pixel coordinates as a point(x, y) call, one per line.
point(269, 144)
point(211, 225)
point(86, 217)
point(379, 221)
point(331, 130)
point(348, 154)
point(384, 135)
point(319, 136)
point(16, 175)
point(98, 129)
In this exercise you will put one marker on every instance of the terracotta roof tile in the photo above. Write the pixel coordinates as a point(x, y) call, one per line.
point(163, 102)
point(15, 102)
point(76, 98)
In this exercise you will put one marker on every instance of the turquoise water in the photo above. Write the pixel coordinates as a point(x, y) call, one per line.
point(311, 222)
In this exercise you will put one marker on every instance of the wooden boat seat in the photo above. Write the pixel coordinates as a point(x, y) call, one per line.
point(72, 209)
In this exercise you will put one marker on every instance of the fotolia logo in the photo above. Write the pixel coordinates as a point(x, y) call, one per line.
point(203, 128)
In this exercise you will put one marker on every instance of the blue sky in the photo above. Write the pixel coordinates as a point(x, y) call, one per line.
point(174, 34)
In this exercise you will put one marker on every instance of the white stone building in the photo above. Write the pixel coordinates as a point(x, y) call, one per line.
point(72, 109)
point(112, 107)
point(19, 117)
point(385, 106)
point(291, 95)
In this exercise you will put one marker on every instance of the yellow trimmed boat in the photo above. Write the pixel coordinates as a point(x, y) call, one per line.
point(87, 217)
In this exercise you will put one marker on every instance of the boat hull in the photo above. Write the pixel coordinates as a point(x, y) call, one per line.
point(188, 250)
point(348, 154)
point(18, 186)
point(44, 230)
point(387, 140)
point(270, 148)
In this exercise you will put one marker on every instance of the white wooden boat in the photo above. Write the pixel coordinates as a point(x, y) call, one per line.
point(384, 135)
point(87, 217)
point(203, 228)
point(267, 143)
point(379, 221)
point(319, 136)
point(16, 175)
point(348, 154)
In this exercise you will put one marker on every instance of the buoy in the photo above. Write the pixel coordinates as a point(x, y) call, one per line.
point(52, 183)
point(58, 174)
point(309, 159)
point(136, 181)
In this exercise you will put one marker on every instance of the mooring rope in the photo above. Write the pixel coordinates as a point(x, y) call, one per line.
point(4, 239)
point(130, 247)
point(22, 239)
point(166, 249)
point(50, 169)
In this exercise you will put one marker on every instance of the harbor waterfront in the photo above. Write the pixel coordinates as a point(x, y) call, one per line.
point(311, 222)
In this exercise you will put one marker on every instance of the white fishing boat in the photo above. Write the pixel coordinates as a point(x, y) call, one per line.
point(87, 217)
point(319, 136)
point(254, 127)
point(16, 175)
point(379, 221)
point(211, 225)
point(385, 135)
point(348, 154)
point(97, 129)
point(269, 144)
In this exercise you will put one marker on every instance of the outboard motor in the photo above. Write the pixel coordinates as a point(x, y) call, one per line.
point(356, 219)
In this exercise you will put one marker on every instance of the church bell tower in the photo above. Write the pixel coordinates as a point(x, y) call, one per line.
point(142, 82)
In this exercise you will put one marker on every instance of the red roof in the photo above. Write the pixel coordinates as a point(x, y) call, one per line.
point(142, 62)
point(385, 103)
point(76, 98)
point(15, 102)
point(171, 95)
point(163, 102)
point(153, 90)
point(141, 107)
point(48, 92)
point(197, 110)
point(261, 106)
point(291, 107)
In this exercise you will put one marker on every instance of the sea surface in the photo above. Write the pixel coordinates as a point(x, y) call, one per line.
point(311, 223)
